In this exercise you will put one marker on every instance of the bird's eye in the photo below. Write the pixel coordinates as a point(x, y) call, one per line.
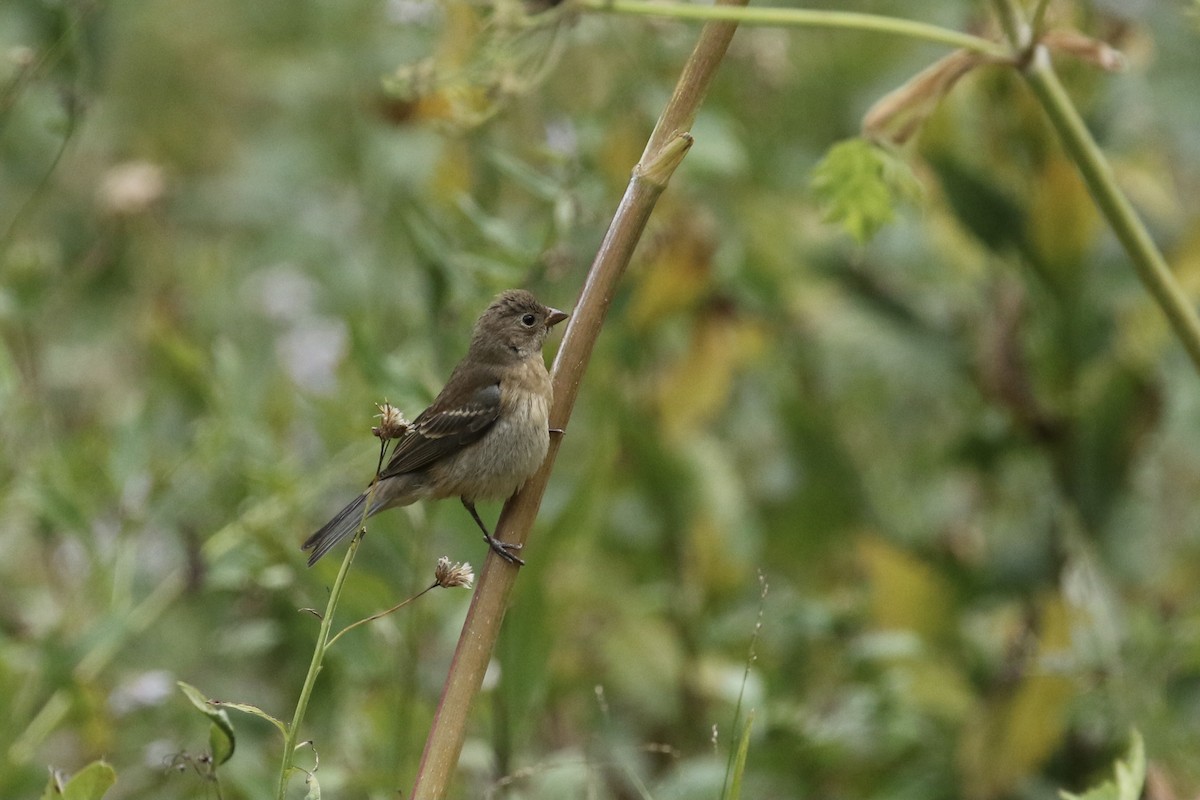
point(528, 320)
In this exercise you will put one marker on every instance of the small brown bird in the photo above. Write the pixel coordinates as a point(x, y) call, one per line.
point(484, 435)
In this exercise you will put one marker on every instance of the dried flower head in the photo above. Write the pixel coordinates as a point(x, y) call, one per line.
point(392, 423)
point(449, 574)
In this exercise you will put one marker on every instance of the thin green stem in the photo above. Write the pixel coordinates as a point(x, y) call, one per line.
point(314, 667)
point(1012, 20)
point(380, 615)
point(1149, 263)
point(731, 776)
point(799, 17)
point(1038, 21)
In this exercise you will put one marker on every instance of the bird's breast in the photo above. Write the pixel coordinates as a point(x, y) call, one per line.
point(494, 467)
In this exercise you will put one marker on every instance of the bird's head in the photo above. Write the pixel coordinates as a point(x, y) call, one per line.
point(513, 327)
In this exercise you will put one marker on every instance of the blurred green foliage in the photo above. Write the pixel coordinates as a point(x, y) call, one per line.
point(964, 455)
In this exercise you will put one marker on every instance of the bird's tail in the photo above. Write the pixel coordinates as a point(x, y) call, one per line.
point(344, 523)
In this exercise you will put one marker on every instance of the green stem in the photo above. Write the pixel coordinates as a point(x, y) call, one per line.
point(1012, 20)
point(1149, 263)
point(799, 17)
point(380, 615)
point(314, 667)
point(1038, 23)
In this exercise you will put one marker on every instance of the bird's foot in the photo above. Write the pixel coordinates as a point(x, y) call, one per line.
point(506, 550)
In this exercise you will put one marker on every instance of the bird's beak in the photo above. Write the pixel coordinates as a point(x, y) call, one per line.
point(555, 317)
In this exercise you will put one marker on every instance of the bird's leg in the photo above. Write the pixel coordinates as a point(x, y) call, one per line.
point(506, 550)
point(557, 431)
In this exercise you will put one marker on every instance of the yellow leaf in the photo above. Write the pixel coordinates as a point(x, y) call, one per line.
point(452, 178)
point(620, 151)
point(695, 389)
point(711, 559)
point(677, 274)
point(1062, 218)
point(460, 30)
point(905, 592)
point(1011, 736)
point(938, 688)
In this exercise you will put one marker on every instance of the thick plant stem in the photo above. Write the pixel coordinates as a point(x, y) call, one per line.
point(665, 150)
point(1149, 263)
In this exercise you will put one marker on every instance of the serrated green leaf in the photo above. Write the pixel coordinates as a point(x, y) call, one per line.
point(90, 783)
point(859, 185)
point(221, 738)
point(1131, 776)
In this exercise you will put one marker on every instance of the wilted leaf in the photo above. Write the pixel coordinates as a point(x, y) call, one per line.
point(1085, 48)
point(897, 115)
point(220, 736)
point(246, 708)
point(859, 185)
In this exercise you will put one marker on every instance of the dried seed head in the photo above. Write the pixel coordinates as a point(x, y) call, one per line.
point(1093, 51)
point(392, 423)
point(449, 574)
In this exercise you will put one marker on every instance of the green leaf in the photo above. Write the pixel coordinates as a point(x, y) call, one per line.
point(1131, 775)
point(982, 205)
point(739, 764)
point(859, 185)
point(255, 711)
point(221, 738)
point(90, 783)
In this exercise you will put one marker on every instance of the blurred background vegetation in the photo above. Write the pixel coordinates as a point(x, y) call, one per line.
point(965, 456)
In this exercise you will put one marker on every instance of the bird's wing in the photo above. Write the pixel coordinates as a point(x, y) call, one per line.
point(455, 420)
